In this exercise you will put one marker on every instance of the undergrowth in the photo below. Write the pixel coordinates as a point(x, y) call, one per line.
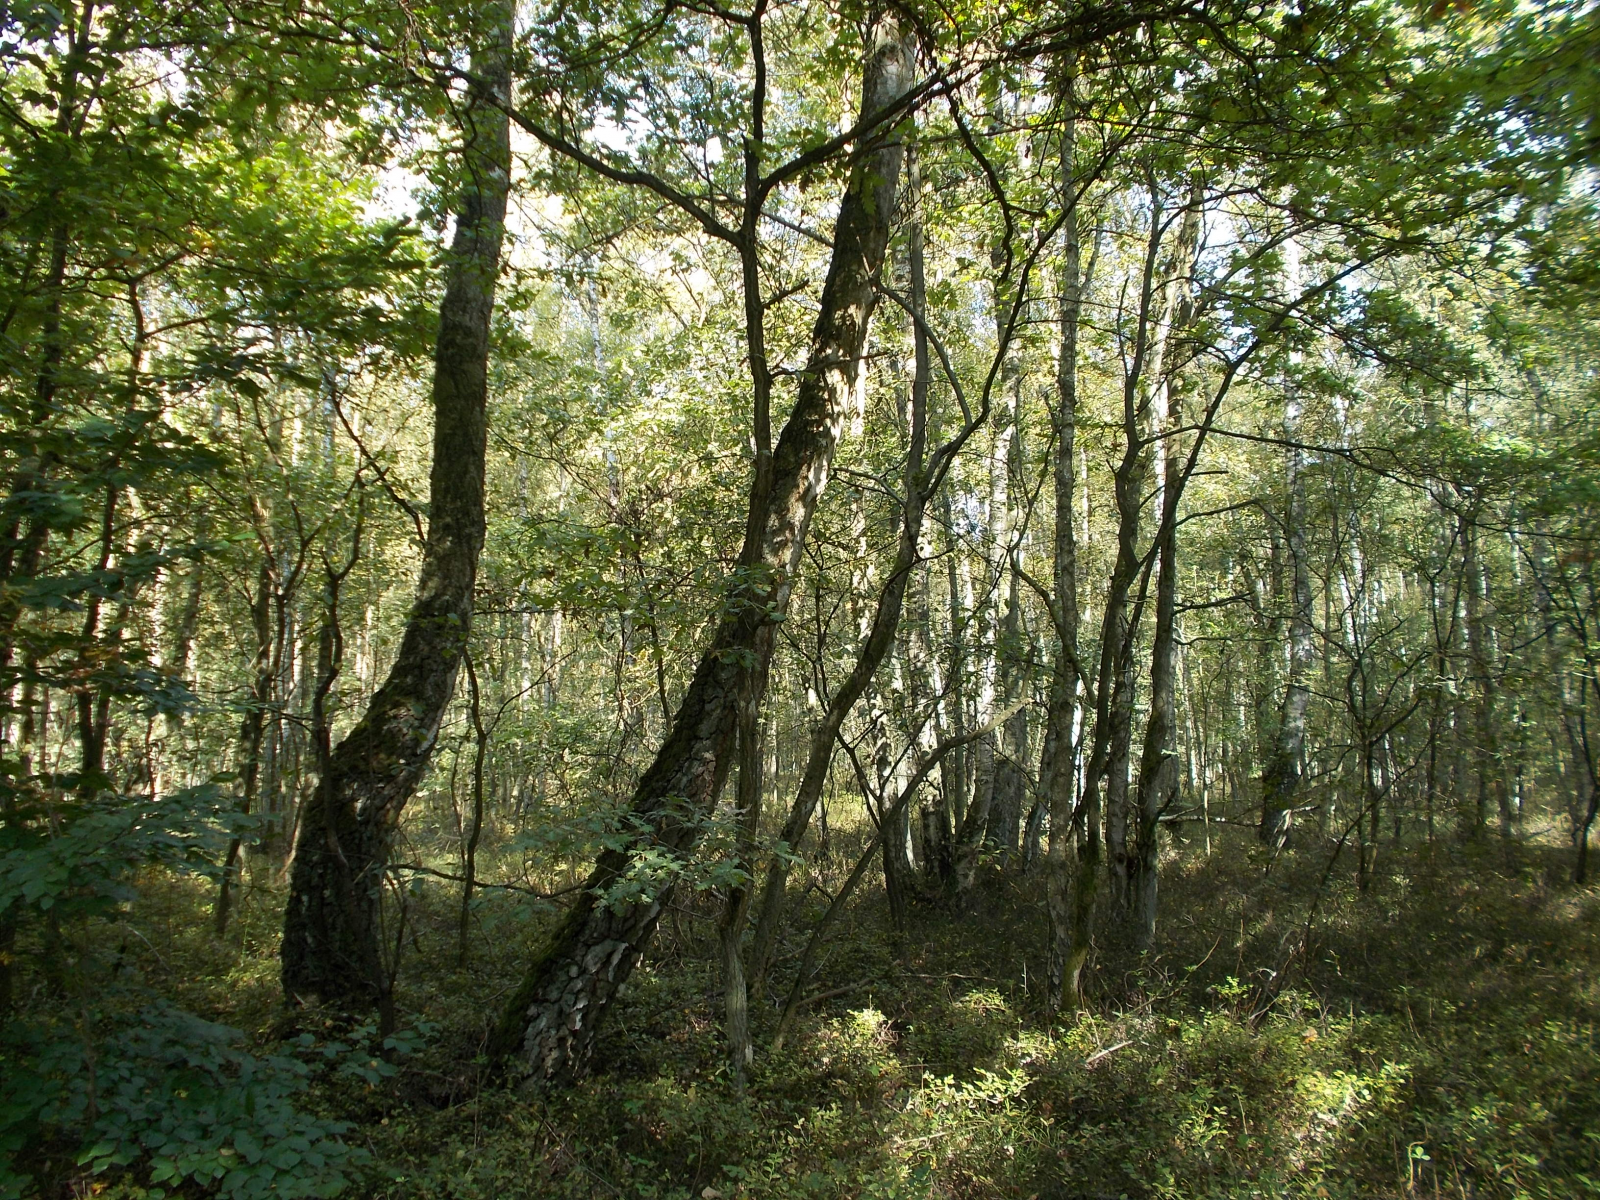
point(1433, 1037)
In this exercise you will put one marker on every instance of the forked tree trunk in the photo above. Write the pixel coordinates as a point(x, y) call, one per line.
point(331, 947)
point(549, 1026)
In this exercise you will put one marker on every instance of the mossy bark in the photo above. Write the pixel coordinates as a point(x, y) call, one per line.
point(332, 926)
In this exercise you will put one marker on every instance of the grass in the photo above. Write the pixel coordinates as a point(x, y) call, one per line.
point(1433, 1037)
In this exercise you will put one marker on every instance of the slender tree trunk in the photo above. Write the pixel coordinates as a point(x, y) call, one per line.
point(953, 773)
point(1059, 760)
point(331, 927)
point(1280, 778)
point(550, 1023)
point(1158, 766)
point(469, 853)
point(23, 539)
point(736, 995)
point(1118, 677)
point(1490, 771)
point(990, 776)
point(1585, 758)
point(1011, 780)
point(880, 635)
point(252, 731)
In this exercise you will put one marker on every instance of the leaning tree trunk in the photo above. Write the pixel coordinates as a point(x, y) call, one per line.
point(550, 1023)
point(331, 947)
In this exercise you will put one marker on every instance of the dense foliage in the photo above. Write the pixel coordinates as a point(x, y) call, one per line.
point(956, 601)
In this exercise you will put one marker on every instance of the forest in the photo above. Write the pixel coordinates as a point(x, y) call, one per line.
point(725, 599)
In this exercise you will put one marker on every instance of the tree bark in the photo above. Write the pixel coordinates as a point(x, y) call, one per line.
point(1158, 765)
point(331, 926)
point(1280, 779)
point(251, 731)
point(550, 1024)
point(1058, 768)
point(1490, 771)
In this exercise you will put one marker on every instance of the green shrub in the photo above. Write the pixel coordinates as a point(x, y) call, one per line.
point(173, 1097)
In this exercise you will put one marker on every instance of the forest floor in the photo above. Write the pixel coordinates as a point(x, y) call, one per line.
point(1434, 1036)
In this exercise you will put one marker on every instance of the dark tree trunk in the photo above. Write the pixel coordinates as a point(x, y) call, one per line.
point(549, 1025)
point(331, 927)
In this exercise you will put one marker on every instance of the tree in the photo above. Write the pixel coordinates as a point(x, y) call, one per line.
point(550, 1023)
point(332, 926)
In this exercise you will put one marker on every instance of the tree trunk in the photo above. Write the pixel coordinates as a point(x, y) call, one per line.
point(1058, 768)
point(550, 1023)
point(252, 729)
point(1118, 676)
point(1011, 779)
point(1158, 766)
point(996, 782)
point(1490, 771)
point(1280, 778)
point(736, 996)
point(880, 634)
point(474, 831)
point(331, 926)
point(954, 772)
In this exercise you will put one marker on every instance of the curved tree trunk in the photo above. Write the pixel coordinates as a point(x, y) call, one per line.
point(331, 946)
point(550, 1024)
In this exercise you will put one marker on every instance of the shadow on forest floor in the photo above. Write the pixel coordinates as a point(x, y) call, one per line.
point(1434, 1037)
